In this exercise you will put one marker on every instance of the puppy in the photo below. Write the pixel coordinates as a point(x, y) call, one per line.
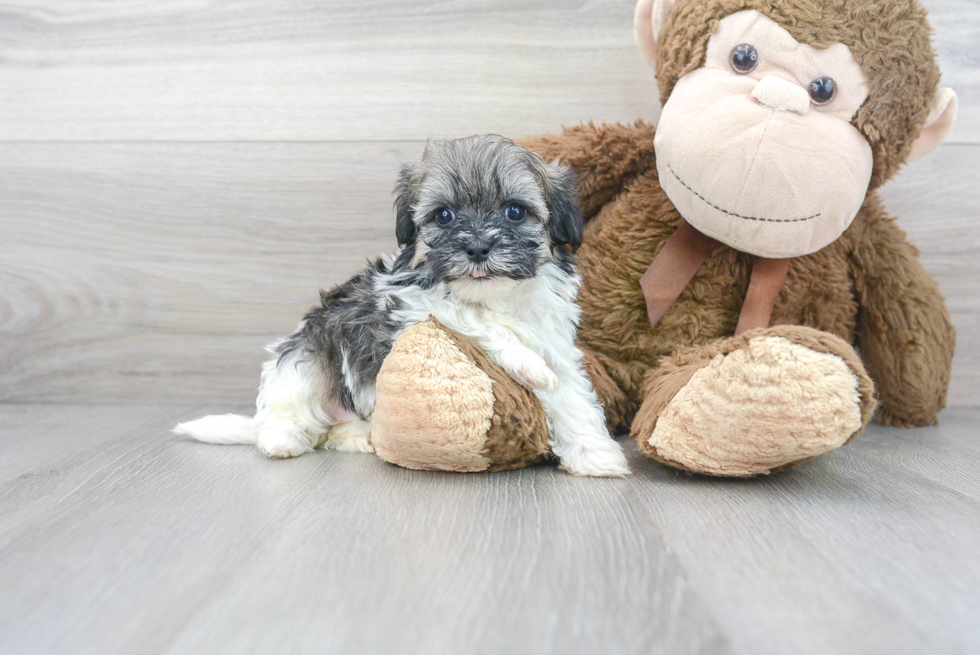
point(486, 230)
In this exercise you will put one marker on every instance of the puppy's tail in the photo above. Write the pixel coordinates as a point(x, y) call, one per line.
point(222, 429)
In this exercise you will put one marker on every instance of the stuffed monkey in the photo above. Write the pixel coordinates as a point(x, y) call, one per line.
point(733, 257)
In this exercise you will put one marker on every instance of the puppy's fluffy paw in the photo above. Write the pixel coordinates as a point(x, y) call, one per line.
point(602, 459)
point(279, 444)
point(535, 375)
point(351, 437)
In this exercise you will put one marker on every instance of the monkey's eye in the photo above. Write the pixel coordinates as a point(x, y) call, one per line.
point(822, 90)
point(515, 213)
point(445, 216)
point(744, 59)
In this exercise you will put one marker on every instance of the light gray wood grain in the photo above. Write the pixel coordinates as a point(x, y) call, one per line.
point(149, 268)
point(349, 70)
point(154, 544)
point(305, 70)
point(158, 271)
point(957, 42)
point(881, 536)
point(116, 537)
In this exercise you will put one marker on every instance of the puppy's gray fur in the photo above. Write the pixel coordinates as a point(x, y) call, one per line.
point(486, 231)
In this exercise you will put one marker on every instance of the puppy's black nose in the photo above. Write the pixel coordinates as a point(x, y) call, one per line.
point(478, 250)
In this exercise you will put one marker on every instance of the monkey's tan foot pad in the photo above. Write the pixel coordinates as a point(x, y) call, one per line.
point(442, 404)
point(767, 400)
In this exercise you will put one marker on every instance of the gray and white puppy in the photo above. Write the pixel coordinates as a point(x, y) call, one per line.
point(487, 231)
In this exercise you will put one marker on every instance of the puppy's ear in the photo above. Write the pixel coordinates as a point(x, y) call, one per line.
point(406, 195)
point(561, 194)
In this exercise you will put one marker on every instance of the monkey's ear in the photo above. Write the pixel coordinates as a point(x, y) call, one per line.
point(648, 20)
point(942, 115)
point(565, 221)
point(406, 194)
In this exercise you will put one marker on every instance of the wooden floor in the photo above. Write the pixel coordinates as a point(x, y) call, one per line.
point(117, 537)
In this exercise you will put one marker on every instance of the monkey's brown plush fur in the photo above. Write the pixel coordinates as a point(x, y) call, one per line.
point(867, 288)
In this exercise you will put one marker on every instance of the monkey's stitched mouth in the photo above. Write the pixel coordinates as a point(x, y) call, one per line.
point(725, 211)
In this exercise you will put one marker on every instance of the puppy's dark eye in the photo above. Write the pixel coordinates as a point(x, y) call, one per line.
point(515, 213)
point(744, 59)
point(445, 216)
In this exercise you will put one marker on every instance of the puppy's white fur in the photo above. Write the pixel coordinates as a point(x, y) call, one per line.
point(527, 327)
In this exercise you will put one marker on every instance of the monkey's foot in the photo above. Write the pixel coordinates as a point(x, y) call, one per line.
point(442, 404)
point(767, 400)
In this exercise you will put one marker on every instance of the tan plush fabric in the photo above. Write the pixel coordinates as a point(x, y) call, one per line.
point(758, 408)
point(444, 405)
point(518, 434)
point(434, 406)
point(756, 403)
point(942, 116)
point(743, 172)
point(888, 38)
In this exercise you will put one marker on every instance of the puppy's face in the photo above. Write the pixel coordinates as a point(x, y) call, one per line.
point(483, 213)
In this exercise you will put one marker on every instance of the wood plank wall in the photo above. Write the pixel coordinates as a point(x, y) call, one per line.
point(178, 177)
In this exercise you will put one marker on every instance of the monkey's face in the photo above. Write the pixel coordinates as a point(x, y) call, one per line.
point(756, 149)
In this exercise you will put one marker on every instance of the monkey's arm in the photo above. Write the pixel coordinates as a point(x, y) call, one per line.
point(904, 332)
point(604, 157)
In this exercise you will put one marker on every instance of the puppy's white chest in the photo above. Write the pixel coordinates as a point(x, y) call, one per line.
point(517, 327)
